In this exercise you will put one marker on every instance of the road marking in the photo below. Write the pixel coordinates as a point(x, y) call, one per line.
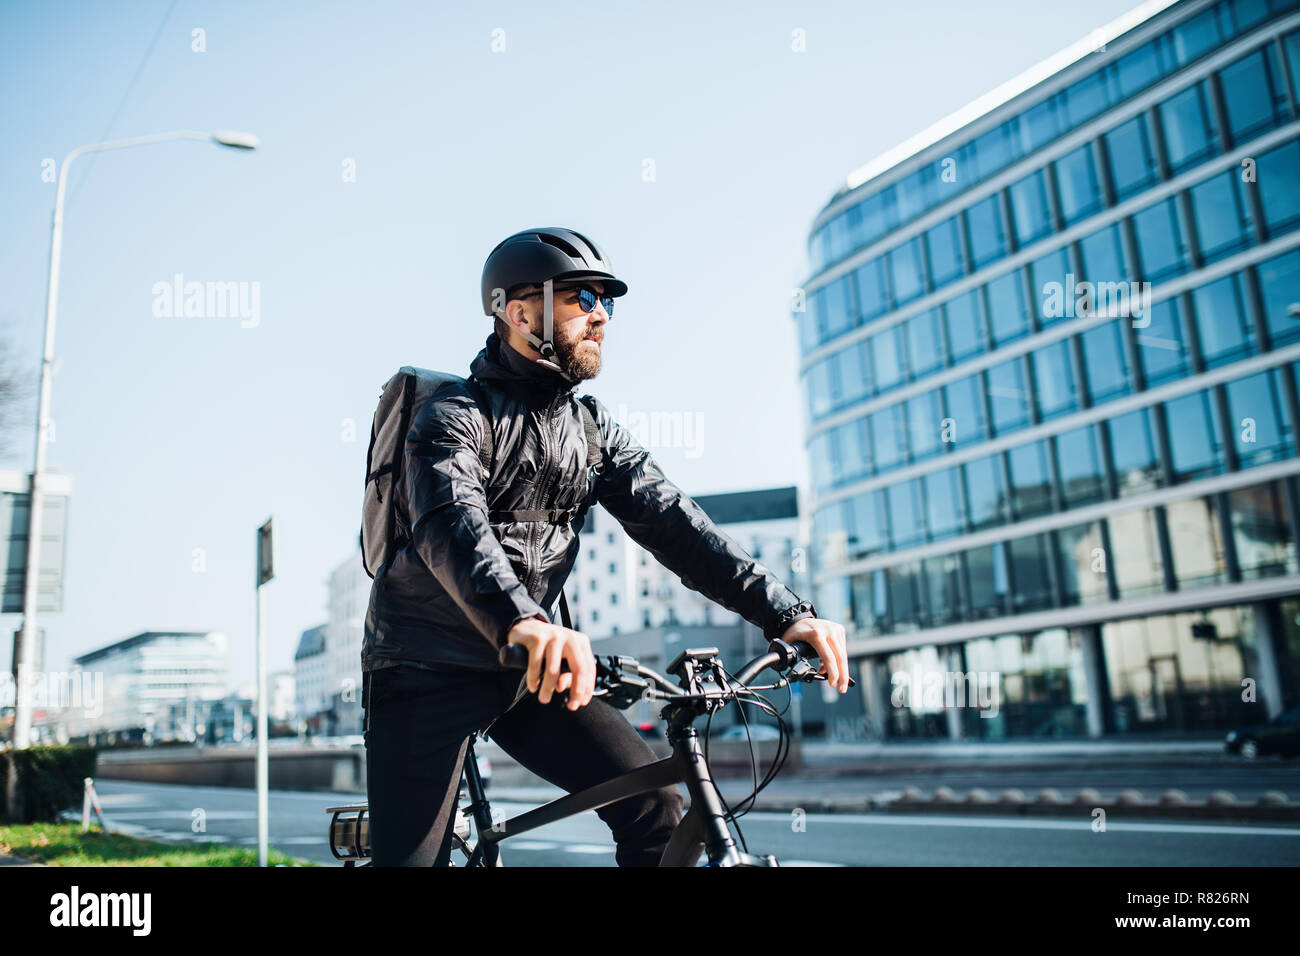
point(529, 845)
point(806, 863)
point(1084, 824)
point(588, 848)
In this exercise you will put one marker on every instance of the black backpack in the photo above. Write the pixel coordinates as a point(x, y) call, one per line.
point(402, 395)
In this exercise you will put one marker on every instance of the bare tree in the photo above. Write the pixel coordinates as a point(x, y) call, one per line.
point(16, 391)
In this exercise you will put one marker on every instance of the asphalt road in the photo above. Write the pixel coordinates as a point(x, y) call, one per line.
point(298, 827)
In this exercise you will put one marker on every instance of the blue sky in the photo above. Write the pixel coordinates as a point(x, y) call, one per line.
point(185, 433)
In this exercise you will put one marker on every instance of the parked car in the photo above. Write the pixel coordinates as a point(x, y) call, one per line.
point(1281, 735)
point(752, 732)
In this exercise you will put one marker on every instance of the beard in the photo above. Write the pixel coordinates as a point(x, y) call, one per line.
point(579, 358)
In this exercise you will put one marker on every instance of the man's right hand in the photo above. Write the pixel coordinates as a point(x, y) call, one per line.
point(548, 644)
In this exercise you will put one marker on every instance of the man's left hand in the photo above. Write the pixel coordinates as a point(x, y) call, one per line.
point(828, 641)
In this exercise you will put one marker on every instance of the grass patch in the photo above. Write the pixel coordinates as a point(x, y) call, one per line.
point(63, 844)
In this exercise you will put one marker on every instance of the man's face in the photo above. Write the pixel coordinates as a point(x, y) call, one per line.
point(578, 334)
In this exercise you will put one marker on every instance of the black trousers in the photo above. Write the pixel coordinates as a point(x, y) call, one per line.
point(418, 724)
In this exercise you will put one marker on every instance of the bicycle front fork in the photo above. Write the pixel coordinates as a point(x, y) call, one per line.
point(704, 828)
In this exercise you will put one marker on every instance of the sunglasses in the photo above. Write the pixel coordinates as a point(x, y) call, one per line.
point(587, 298)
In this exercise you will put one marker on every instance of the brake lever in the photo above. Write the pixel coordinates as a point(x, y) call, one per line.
point(804, 671)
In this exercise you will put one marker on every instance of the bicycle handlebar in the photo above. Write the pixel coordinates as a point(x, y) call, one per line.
point(515, 656)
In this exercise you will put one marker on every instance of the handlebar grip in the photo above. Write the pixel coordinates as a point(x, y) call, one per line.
point(514, 656)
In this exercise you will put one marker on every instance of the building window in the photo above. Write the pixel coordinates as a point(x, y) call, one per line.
point(610, 537)
point(1254, 96)
point(873, 294)
point(1054, 384)
point(964, 400)
point(905, 513)
point(1079, 463)
point(1029, 210)
point(613, 597)
point(1008, 396)
point(1190, 133)
point(1162, 249)
point(1132, 161)
point(1077, 185)
point(1225, 330)
point(1162, 345)
point(1103, 256)
point(595, 615)
point(906, 272)
point(645, 619)
point(1261, 431)
point(1279, 283)
point(1195, 442)
point(988, 235)
point(1261, 530)
point(1007, 315)
point(645, 588)
point(887, 358)
point(942, 494)
point(1104, 362)
point(964, 320)
point(986, 492)
point(943, 243)
point(1133, 456)
point(592, 585)
point(1222, 220)
point(1031, 482)
point(888, 438)
point(613, 568)
point(1279, 184)
point(925, 342)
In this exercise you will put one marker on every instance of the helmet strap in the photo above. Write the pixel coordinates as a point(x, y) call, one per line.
point(546, 345)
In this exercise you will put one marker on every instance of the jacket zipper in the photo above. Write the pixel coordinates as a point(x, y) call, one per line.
point(544, 486)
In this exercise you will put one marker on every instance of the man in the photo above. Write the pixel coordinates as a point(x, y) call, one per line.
point(486, 556)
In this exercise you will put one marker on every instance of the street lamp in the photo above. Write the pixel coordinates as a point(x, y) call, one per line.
point(27, 636)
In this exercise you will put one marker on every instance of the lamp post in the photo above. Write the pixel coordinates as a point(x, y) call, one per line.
point(27, 636)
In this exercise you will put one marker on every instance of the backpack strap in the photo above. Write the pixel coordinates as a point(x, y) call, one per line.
point(487, 451)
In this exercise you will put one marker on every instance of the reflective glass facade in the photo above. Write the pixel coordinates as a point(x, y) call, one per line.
point(1050, 363)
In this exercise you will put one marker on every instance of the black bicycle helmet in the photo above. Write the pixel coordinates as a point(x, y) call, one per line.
point(535, 255)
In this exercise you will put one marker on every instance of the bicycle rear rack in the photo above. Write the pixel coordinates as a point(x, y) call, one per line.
point(350, 831)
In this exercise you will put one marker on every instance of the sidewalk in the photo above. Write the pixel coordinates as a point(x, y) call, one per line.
point(16, 861)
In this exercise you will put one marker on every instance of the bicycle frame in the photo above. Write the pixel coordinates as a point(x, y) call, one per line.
point(703, 828)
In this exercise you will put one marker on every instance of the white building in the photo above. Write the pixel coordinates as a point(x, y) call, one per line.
point(349, 595)
point(617, 587)
point(144, 678)
point(309, 673)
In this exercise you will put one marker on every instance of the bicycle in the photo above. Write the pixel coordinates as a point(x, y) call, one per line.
point(704, 687)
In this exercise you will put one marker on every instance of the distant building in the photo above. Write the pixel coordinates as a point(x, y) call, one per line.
point(349, 595)
point(618, 587)
point(154, 683)
point(309, 676)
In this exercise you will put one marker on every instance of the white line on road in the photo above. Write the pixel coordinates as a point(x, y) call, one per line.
point(916, 819)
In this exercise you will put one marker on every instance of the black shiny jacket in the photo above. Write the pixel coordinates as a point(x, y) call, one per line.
point(452, 593)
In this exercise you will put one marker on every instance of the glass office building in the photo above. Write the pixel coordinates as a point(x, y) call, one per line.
point(1049, 351)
